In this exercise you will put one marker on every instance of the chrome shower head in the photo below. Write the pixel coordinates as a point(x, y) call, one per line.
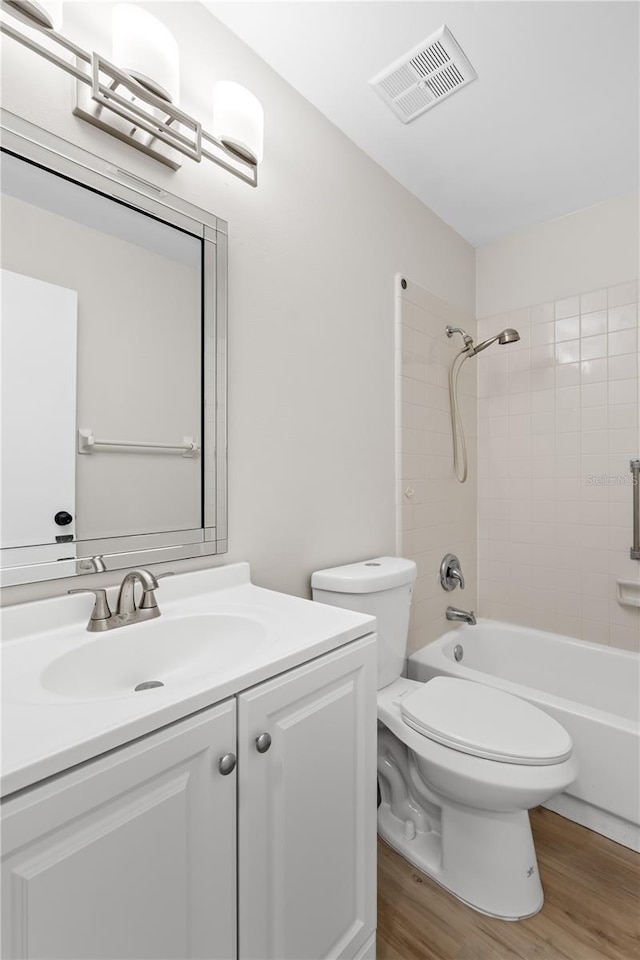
point(507, 336)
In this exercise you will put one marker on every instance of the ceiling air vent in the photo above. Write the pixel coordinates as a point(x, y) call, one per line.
point(420, 79)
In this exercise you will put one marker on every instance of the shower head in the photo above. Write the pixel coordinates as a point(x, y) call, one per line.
point(469, 350)
point(506, 336)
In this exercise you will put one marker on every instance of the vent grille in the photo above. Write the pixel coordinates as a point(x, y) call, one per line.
point(429, 73)
point(413, 103)
point(397, 82)
point(430, 59)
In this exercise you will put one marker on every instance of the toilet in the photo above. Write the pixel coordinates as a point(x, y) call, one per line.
point(459, 763)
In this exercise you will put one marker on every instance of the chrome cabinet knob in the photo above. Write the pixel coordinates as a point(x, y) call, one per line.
point(263, 742)
point(227, 764)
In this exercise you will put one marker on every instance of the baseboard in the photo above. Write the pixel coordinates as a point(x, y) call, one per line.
point(368, 951)
point(600, 821)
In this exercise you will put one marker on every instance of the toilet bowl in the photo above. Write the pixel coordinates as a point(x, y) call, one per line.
point(459, 763)
point(459, 816)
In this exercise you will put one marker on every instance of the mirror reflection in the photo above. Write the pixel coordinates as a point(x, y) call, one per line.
point(102, 369)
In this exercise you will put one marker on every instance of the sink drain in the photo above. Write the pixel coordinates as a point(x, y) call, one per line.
point(149, 685)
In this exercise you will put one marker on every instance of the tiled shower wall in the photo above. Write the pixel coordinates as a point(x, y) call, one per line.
point(558, 422)
point(436, 514)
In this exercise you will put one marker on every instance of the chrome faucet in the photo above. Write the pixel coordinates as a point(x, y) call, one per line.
point(126, 610)
point(464, 616)
point(126, 603)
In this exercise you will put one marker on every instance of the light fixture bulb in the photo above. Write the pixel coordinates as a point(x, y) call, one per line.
point(46, 13)
point(238, 120)
point(146, 50)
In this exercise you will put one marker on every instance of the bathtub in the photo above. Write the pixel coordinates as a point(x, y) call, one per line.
point(591, 689)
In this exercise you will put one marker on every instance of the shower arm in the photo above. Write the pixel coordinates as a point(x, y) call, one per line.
point(468, 341)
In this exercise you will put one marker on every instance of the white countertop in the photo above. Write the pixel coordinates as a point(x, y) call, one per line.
point(44, 733)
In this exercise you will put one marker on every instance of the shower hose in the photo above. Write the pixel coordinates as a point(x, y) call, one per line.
point(457, 428)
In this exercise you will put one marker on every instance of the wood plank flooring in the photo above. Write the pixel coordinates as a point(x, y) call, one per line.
point(591, 909)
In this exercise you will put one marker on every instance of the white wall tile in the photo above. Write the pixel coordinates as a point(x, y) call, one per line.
point(594, 300)
point(555, 491)
point(441, 516)
point(623, 293)
point(621, 318)
point(624, 341)
point(593, 347)
point(569, 307)
point(592, 324)
point(541, 313)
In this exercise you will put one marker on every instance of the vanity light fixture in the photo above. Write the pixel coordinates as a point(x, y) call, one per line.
point(238, 120)
point(47, 13)
point(137, 102)
point(147, 50)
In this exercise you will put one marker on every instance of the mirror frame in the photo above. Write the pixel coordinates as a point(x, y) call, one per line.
point(38, 146)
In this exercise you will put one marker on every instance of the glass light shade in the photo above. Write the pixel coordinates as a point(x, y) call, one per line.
point(47, 13)
point(238, 120)
point(147, 50)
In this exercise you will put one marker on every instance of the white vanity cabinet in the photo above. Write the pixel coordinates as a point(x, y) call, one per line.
point(307, 810)
point(151, 851)
point(130, 855)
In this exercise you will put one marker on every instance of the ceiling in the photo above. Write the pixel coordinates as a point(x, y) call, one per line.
point(549, 127)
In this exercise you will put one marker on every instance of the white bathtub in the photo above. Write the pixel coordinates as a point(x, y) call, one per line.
point(591, 689)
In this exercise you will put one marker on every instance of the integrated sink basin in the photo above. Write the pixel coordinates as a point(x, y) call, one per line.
point(69, 695)
point(169, 651)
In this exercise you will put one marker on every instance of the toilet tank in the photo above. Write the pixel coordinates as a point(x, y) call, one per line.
point(382, 588)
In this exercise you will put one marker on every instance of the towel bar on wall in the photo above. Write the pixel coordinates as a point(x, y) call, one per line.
point(635, 472)
point(87, 443)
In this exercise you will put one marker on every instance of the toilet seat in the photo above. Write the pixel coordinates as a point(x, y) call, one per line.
point(485, 722)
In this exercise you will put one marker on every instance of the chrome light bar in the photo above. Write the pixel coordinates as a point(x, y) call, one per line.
point(111, 99)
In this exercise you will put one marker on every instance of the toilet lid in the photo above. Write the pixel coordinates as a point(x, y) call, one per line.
point(485, 722)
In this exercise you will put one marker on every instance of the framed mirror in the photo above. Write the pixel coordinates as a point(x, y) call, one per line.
point(114, 356)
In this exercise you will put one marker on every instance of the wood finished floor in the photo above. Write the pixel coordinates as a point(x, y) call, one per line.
point(591, 909)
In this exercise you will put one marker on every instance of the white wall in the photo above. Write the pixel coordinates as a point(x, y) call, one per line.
point(313, 253)
point(592, 248)
point(559, 420)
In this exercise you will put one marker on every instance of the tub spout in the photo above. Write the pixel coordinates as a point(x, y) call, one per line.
point(466, 616)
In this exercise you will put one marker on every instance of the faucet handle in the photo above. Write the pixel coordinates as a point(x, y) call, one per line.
point(148, 600)
point(451, 573)
point(101, 609)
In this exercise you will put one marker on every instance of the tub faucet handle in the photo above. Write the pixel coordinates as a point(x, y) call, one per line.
point(451, 573)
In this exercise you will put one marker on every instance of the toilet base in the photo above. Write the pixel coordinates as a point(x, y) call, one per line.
point(486, 860)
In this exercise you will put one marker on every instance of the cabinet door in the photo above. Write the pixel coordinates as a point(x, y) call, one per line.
point(307, 810)
point(131, 855)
